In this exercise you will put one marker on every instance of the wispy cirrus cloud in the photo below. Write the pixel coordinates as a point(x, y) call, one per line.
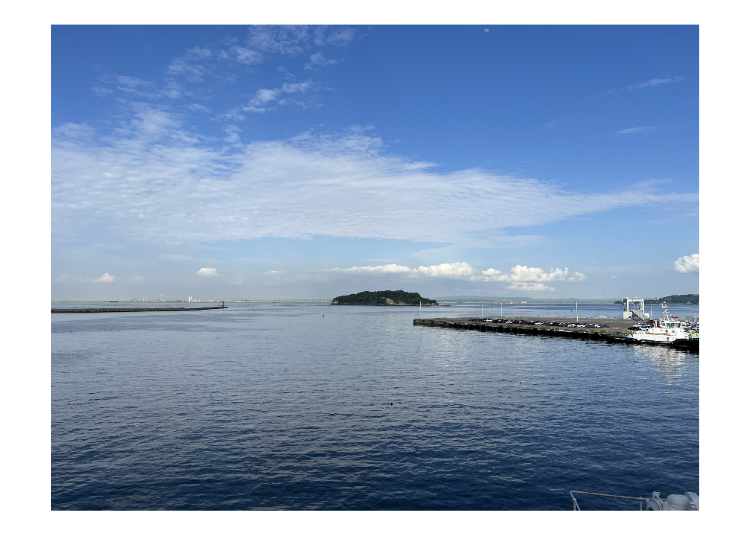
point(634, 130)
point(195, 107)
point(192, 65)
point(67, 278)
point(294, 40)
point(233, 134)
point(245, 56)
point(656, 82)
point(653, 82)
point(318, 59)
point(80, 132)
point(149, 179)
point(195, 73)
point(519, 277)
point(265, 98)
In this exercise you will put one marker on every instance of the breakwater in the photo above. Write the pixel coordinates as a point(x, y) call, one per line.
point(614, 332)
point(615, 326)
point(134, 309)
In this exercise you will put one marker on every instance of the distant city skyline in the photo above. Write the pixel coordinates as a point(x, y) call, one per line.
point(308, 162)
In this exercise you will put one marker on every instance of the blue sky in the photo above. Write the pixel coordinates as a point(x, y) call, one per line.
point(308, 162)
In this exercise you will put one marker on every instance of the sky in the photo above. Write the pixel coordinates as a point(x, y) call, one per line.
point(307, 162)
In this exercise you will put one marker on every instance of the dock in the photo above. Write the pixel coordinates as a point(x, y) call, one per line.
point(135, 309)
point(615, 333)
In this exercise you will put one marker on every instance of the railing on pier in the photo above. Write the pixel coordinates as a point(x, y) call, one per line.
point(578, 508)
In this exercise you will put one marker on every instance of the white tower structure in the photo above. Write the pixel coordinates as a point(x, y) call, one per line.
point(638, 314)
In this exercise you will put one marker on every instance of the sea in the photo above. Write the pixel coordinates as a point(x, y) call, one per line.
point(306, 406)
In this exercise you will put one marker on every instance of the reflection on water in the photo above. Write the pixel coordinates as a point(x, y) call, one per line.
point(668, 361)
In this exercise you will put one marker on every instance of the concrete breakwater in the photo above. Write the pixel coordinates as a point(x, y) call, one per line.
point(134, 309)
point(615, 332)
point(616, 326)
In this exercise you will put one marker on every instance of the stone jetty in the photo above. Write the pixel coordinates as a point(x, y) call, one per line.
point(617, 328)
point(134, 309)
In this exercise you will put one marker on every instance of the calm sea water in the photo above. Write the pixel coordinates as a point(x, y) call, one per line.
point(276, 406)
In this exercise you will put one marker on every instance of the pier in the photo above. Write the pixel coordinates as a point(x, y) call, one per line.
point(615, 333)
point(135, 309)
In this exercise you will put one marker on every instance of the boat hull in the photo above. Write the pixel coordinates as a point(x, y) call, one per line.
point(686, 344)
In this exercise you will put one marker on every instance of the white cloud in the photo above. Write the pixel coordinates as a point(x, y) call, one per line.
point(534, 287)
point(634, 130)
point(264, 96)
point(318, 59)
point(130, 82)
point(454, 270)
point(189, 67)
point(198, 53)
point(246, 56)
point(151, 123)
point(74, 131)
point(656, 82)
point(294, 40)
point(67, 278)
point(520, 277)
point(198, 107)
point(526, 273)
point(330, 185)
point(285, 40)
point(105, 278)
point(132, 87)
point(207, 272)
point(384, 269)
point(337, 36)
point(688, 263)
point(233, 134)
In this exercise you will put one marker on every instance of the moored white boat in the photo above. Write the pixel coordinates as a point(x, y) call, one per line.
point(665, 330)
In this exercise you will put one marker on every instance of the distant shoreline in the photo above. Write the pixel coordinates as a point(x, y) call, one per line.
point(133, 309)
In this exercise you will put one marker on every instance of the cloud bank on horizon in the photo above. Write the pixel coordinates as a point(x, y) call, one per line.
point(520, 277)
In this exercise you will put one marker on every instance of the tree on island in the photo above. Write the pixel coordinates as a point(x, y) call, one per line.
point(383, 297)
point(691, 299)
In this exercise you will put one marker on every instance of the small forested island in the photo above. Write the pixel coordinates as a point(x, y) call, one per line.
point(682, 299)
point(383, 297)
point(691, 299)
